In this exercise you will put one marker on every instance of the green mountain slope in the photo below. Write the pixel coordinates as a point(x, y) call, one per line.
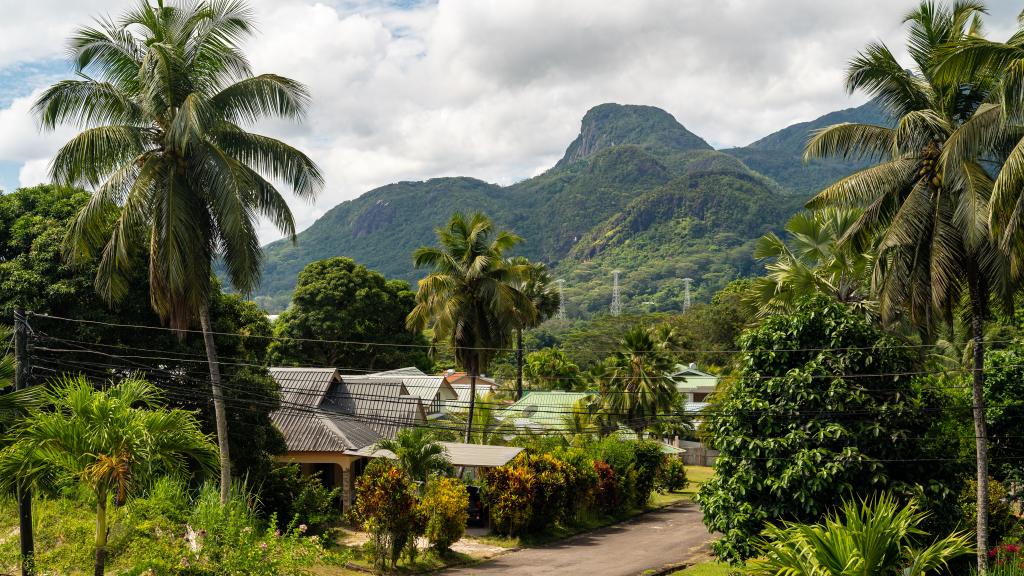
point(634, 191)
point(780, 155)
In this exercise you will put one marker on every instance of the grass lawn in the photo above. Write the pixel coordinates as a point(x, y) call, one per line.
point(710, 568)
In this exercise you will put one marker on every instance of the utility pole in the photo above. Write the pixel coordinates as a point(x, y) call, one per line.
point(561, 299)
point(686, 294)
point(616, 294)
point(21, 375)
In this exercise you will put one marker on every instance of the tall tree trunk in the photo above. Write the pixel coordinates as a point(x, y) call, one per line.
point(101, 535)
point(472, 404)
point(519, 363)
point(220, 414)
point(978, 307)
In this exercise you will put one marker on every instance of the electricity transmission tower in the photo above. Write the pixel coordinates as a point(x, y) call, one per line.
point(686, 293)
point(616, 294)
point(561, 299)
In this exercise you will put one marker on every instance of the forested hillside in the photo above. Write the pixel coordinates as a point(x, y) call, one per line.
point(635, 191)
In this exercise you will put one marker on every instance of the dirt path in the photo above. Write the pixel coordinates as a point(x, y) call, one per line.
point(654, 540)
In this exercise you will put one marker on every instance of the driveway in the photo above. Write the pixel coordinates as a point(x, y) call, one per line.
point(654, 540)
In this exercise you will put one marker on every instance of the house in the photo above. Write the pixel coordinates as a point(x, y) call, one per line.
point(694, 384)
point(331, 422)
point(542, 410)
point(435, 391)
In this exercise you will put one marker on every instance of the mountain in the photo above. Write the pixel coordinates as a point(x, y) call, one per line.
point(780, 155)
point(635, 191)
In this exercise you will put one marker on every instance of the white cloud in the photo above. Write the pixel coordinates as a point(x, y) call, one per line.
point(496, 88)
point(35, 171)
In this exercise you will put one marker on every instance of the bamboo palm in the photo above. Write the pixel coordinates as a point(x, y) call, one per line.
point(471, 299)
point(927, 198)
point(110, 441)
point(163, 98)
point(488, 428)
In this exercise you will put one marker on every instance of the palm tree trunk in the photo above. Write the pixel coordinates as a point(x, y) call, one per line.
point(978, 399)
point(101, 535)
point(472, 403)
point(220, 415)
point(519, 363)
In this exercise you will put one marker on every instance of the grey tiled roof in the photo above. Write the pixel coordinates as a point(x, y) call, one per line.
point(321, 431)
point(408, 371)
point(381, 404)
point(303, 386)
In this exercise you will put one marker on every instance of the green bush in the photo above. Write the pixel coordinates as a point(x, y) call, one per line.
point(386, 509)
point(672, 477)
point(509, 494)
point(583, 479)
point(647, 460)
point(1000, 513)
point(552, 494)
point(445, 506)
point(294, 498)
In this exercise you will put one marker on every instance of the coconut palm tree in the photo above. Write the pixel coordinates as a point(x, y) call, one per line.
point(417, 452)
point(110, 441)
point(636, 388)
point(488, 428)
point(811, 261)
point(544, 298)
point(471, 298)
point(927, 199)
point(874, 538)
point(163, 97)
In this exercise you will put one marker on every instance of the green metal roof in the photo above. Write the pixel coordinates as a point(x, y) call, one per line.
point(542, 409)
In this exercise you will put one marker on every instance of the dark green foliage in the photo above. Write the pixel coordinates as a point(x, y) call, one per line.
point(337, 299)
point(551, 369)
point(1004, 400)
point(1001, 519)
point(648, 460)
point(293, 498)
point(34, 275)
point(801, 428)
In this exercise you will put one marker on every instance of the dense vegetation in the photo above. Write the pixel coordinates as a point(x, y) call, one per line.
point(635, 191)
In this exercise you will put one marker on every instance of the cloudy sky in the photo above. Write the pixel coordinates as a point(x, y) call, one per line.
point(409, 90)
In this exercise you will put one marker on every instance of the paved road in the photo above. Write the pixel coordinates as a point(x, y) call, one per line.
point(653, 540)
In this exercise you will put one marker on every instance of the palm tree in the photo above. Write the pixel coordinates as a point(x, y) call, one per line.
point(418, 454)
point(162, 98)
point(874, 538)
point(636, 388)
point(813, 261)
point(108, 440)
point(927, 198)
point(471, 298)
point(488, 428)
point(539, 288)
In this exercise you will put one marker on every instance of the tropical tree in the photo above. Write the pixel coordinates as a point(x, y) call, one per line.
point(163, 95)
point(537, 286)
point(487, 427)
point(111, 441)
point(636, 388)
point(876, 537)
point(813, 261)
point(417, 453)
point(471, 300)
point(552, 369)
point(928, 197)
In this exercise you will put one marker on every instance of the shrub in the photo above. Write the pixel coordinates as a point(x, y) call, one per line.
point(297, 499)
point(647, 460)
point(583, 481)
point(1006, 560)
point(445, 506)
point(1000, 515)
point(672, 477)
point(552, 494)
point(607, 497)
point(509, 495)
point(386, 508)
